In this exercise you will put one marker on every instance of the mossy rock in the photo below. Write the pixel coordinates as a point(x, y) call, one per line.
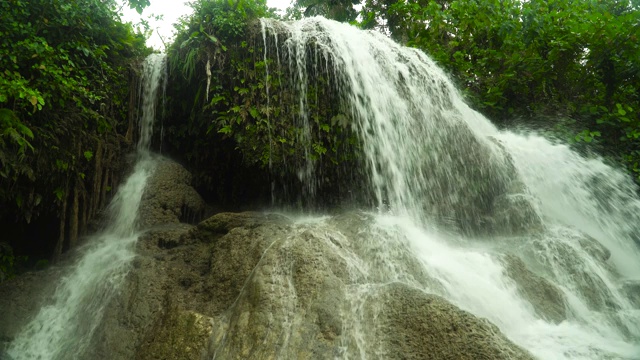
point(181, 335)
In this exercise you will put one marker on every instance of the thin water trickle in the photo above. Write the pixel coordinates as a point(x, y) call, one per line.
point(63, 328)
point(154, 74)
point(462, 195)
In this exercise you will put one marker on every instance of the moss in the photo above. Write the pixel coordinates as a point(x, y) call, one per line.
point(181, 335)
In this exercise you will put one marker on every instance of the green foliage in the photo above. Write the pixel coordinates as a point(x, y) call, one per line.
point(138, 5)
point(63, 84)
point(9, 262)
point(209, 39)
point(237, 105)
point(16, 132)
point(339, 10)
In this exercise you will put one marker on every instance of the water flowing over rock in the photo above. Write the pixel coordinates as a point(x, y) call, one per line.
point(471, 189)
point(547, 300)
point(254, 285)
point(484, 244)
point(65, 325)
point(421, 144)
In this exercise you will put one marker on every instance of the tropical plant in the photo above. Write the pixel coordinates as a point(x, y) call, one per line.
point(64, 94)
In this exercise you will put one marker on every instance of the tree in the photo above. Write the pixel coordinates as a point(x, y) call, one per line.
point(574, 63)
point(64, 88)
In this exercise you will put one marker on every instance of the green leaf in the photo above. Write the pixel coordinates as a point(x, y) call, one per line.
point(88, 155)
point(318, 148)
point(621, 110)
point(225, 130)
point(59, 193)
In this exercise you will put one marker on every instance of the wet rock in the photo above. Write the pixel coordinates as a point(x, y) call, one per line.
point(594, 247)
point(632, 289)
point(514, 212)
point(295, 294)
point(143, 301)
point(222, 223)
point(579, 263)
point(414, 325)
point(251, 285)
point(547, 300)
point(235, 256)
point(21, 299)
point(168, 236)
point(286, 302)
point(169, 198)
point(462, 184)
point(474, 188)
point(179, 335)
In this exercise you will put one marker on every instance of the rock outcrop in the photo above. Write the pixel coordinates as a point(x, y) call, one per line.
point(413, 325)
point(261, 286)
point(577, 261)
point(169, 197)
point(265, 286)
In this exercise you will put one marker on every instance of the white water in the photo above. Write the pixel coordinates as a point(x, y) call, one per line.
point(154, 74)
point(430, 157)
point(440, 166)
point(63, 328)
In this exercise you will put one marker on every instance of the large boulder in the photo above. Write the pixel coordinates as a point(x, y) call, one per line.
point(282, 289)
point(169, 197)
point(473, 187)
point(151, 294)
point(410, 324)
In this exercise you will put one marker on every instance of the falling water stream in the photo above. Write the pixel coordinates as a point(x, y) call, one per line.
point(64, 327)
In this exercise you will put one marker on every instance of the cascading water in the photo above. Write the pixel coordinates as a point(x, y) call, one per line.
point(465, 198)
point(63, 328)
point(513, 228)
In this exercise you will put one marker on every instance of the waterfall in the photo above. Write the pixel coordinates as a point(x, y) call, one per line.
point(63, 328)
point(511, 227)
point(471, 203)
point(154, 79)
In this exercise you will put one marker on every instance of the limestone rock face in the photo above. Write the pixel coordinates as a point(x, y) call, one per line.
point(547, 300)
point(514, 212)
point(180, 335)
point(258, 286)
point(169, 197)
point(290, 291)
point(475, 186)
point(151, 295)
point(413, 325)
point(264, 286)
